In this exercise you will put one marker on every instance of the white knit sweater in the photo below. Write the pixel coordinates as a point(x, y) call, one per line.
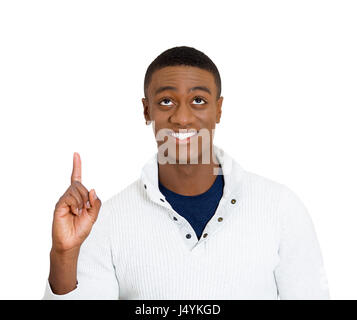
point(260, 244)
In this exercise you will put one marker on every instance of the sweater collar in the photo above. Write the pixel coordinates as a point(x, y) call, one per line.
point(231, 170)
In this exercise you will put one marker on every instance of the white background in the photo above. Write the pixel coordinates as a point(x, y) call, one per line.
point(71, 79)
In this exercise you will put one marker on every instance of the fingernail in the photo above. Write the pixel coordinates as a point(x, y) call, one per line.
point(95, 195)
point(80, 211)
point(88, 205)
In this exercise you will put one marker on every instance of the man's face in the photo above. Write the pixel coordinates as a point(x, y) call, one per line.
point(183, 99)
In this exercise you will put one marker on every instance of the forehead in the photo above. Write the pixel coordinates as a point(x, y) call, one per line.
point(181, 77)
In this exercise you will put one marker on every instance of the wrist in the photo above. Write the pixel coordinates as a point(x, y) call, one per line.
point(63, 270)
point(64, 254)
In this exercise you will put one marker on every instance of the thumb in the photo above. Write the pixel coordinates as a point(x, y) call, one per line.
point(95, 204)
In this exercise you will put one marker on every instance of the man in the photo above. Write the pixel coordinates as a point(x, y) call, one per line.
point(195, 225)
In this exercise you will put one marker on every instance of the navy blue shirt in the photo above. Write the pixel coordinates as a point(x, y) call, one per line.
point(199, 209)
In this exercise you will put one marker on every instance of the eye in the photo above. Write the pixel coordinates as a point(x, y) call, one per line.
point(165, 102)
point(199, 100)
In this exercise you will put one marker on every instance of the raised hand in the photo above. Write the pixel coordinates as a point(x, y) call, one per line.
point(75, 213)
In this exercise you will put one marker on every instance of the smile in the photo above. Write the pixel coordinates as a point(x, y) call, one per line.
point(182, 137)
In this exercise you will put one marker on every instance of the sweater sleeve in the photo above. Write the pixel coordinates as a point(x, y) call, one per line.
point(300, 274)
point(95, 271)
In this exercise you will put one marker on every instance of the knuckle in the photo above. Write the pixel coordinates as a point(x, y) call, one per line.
point(61, 200)
point(72, 200)
point(73, 185)
point(79, 185)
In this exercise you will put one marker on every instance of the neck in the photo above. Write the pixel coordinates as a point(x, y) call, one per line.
point(188, 179)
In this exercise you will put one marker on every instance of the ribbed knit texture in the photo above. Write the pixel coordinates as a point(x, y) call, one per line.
point(260, 244)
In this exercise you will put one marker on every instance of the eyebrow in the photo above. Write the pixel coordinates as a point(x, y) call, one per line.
point(202, 88)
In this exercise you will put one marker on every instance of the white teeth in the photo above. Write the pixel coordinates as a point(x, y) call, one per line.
point(182, 136)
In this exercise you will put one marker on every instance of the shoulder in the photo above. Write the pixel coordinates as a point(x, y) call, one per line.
point(285, 204)
point(128, 197)
point(289, 204)
point(286, 200)
point(263, 185)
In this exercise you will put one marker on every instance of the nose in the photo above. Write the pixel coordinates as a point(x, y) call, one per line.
point(183, 116)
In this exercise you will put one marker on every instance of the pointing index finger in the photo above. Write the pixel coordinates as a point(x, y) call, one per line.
point(77, 168)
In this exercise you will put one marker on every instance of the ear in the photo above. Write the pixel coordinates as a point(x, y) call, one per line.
point(219, 109)
point(146, 109)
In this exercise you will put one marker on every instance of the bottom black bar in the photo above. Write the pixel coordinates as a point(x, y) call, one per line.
point(181, 309)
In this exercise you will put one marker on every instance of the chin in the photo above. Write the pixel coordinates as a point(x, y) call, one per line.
point(190, 159)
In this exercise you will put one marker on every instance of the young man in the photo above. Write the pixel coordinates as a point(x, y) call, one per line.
point(195, 225)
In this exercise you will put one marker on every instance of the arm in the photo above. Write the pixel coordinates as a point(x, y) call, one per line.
point(80, 260)
point(300, 274)
point(95, 271)
point(63, 271)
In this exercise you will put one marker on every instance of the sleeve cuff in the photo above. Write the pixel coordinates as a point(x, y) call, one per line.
point(49, 295)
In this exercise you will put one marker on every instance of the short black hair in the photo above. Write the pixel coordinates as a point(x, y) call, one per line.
point(183, 55)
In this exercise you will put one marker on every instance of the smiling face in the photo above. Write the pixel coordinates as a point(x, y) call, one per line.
point(183, 99)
